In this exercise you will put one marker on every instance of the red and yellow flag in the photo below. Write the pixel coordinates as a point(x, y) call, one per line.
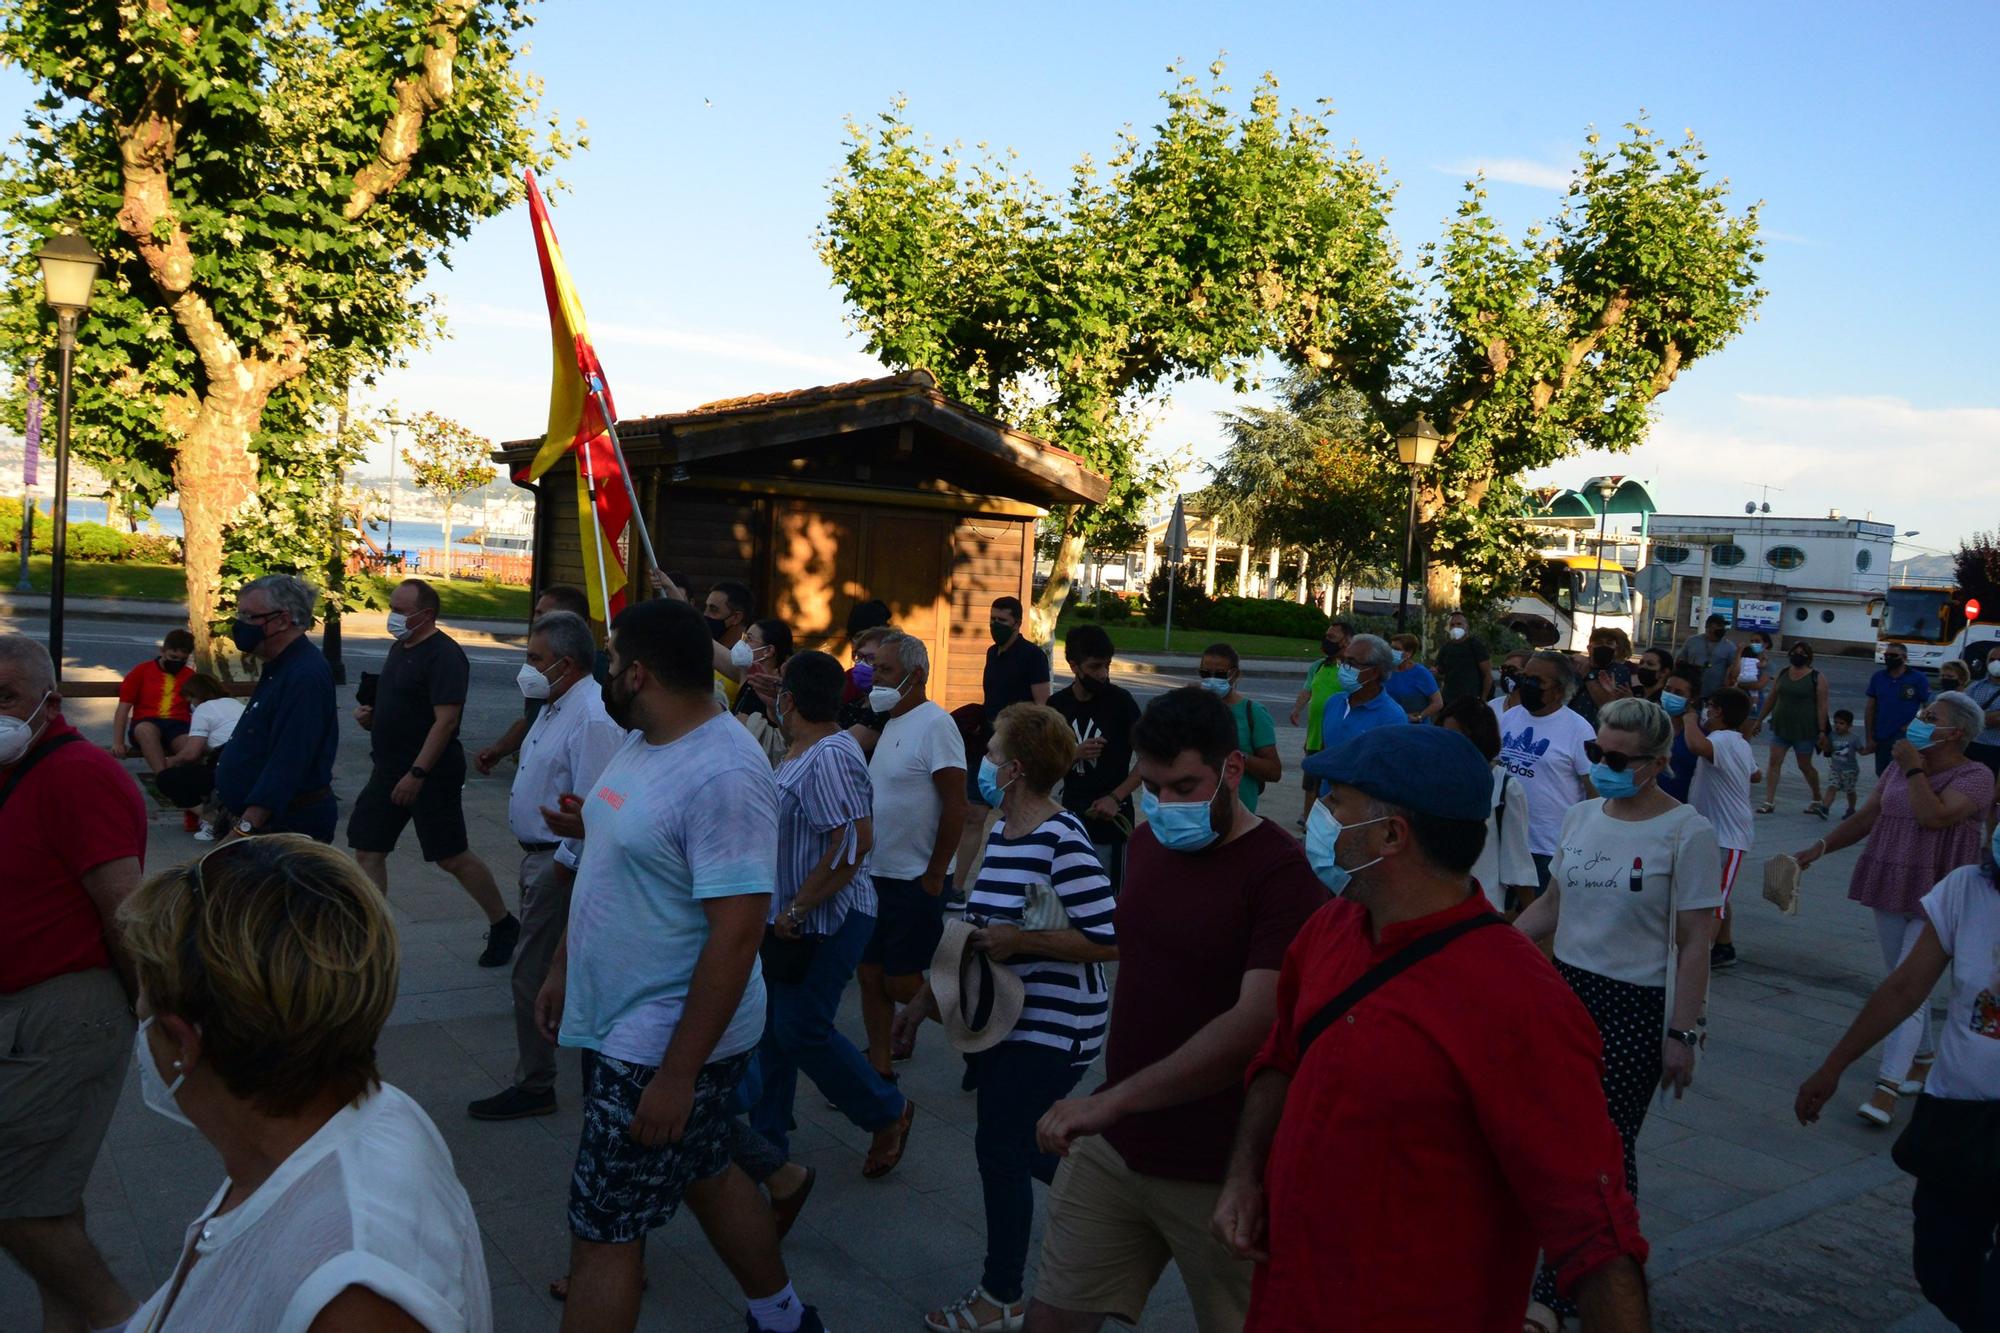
point(577, 423)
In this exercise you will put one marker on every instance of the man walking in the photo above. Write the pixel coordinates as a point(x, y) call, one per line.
point(918, 772)
point(276, 776)
point(1362, 704)
point(1896, 695)
point(153, 710)
point(1416, 1131)
point(1322, 683)
point(1716, 655)
point(1464, 669)
point(571, 741)
point(1100, 784)
point(657, 978)
point(73, 830)
point(1213, 900)
point(418, 765)
point(556, 597)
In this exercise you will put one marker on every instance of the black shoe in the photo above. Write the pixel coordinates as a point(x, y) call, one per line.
point(1721, 955)
point(810, 1323)
point(500, 941)
point(514, 1104)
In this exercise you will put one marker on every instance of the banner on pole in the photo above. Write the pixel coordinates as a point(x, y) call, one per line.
point(32, 455)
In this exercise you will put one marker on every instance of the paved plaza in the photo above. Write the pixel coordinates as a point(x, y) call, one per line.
point(1756, 1223)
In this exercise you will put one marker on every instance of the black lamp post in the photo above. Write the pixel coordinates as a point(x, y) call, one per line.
point(1416, 445)
point(69, 271)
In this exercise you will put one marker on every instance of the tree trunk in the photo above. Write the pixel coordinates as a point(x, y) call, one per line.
point(214, 472)
point(1442, 587)
point(447, 539)
point(1043, 614)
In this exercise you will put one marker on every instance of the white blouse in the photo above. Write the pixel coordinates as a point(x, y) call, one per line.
point(371, 1200)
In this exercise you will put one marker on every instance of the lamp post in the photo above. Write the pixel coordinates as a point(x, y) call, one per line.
point(69, 271)
point(1416, 446)
point(394, 423)
point(1606, 488)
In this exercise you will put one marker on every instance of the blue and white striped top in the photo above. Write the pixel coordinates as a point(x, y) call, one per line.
point(823, 790)
point(1067, 1005)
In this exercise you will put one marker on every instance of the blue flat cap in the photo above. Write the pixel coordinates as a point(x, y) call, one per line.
point(1427, 769)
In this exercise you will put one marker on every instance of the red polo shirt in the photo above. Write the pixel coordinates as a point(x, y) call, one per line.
point(1447, 1128)
point(76, 810)
point(154, 693)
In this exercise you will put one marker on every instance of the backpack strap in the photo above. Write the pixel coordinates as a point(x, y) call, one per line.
point(33, 757)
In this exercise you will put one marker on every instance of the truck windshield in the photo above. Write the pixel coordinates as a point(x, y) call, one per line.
point(1603, 591)
point(1915, 613)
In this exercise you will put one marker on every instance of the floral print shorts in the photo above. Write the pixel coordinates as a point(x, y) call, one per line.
point(622, 1189)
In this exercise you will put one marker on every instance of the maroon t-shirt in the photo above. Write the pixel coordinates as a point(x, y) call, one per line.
point(1189, 927)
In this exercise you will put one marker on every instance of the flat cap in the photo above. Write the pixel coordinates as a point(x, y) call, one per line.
point(1431, 770)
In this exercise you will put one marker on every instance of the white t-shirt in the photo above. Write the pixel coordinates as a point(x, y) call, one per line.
point(371, 1200)
point(1505, 859)
point(1720, 792)
point(1546, 754)
point(1605, 926)
point(921, 742)
point(666, 827)
point(215, 721)
point(1964, 908)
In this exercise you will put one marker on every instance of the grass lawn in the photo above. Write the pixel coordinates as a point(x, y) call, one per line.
point(463, 599)
point(1139, 637)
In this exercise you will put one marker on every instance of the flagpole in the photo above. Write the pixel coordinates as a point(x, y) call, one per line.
point(597, 527)
point(624, 471)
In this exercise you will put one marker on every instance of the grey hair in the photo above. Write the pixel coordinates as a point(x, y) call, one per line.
point(1954, 708)
point(288, 593)
point(30, 659)
point(1567, 672)
point(1642, 718)
point(1380, 655)
point(909, 651)
point(569, 636)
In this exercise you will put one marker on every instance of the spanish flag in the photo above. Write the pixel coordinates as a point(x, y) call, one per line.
point(577, 423)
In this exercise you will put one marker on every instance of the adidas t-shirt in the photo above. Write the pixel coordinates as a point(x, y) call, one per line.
point(1546, 754)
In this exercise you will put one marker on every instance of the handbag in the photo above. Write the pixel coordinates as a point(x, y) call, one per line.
point(1952, 1143)
point(784, 960)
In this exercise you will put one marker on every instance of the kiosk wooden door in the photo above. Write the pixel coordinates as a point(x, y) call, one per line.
point(825, 558)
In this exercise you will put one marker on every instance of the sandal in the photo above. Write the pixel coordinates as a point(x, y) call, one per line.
point(1767, 809)
point(959, 1317)
point(1920, 1072)
point(878, 1166)
point(1880, 1108)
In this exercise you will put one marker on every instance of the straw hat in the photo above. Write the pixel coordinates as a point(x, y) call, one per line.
point(1781, 883)
point(978, 1000)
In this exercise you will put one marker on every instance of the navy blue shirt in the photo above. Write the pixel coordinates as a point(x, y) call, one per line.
point(284, 744)
point(1898, 700)
point(1679, 775)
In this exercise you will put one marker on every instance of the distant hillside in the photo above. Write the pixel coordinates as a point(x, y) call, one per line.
point(1924, 567)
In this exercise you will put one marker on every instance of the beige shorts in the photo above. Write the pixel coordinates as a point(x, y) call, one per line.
point(64, 1047)
point(1111, 1231)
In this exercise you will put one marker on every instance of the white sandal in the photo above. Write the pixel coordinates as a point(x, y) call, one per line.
point(1876, 1115)
point(1920, 1072)
point(958, 1317)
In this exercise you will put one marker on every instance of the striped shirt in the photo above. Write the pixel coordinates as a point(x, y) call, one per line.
point(824, 790)
point(1067, 1003)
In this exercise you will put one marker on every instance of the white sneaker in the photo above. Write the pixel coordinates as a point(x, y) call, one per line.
point(204, 834)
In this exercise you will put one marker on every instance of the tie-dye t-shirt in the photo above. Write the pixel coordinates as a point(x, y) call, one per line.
point(1964, 909)
point(665, 827)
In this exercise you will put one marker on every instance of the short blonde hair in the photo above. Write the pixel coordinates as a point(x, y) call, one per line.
point(1643, 719)
point(1038, 738)
point(283, 953)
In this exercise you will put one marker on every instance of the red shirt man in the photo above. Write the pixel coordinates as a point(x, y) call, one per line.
point(1404, 1171)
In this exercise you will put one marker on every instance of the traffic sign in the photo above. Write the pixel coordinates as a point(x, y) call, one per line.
point(1654, 582)
point(1972, 608)
point(1177, 533)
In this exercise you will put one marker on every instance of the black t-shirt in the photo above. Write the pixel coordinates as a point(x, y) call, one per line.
point(415, 681)
point(1458, 668)
point(1110, 712)
point(1012, 674)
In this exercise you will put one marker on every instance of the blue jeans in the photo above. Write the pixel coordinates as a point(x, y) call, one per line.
point(799, 1033)
point(1018, 1082)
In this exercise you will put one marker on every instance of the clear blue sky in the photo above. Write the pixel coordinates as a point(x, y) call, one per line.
point(1868, 132)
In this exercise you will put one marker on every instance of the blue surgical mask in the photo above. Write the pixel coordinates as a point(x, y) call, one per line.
point(1181, 826)
point(1216, 685)
point(1921, 733)
point(1993, 847)
point(1350, 676)
point(990, 785)
point(1323, 832)
point(1674, 704)
point(1612, 784)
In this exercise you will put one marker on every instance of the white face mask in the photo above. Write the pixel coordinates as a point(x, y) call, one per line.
point(1456, 631)
point(157, 1093)
point(534, 685)
point(741, 654)
point(885, 697)
point(1993, 668)
point(17, 734)
point(399, 624)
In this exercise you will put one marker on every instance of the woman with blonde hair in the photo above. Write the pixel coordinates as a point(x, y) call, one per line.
point(266, 971)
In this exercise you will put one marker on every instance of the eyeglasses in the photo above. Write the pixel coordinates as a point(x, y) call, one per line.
point(1615, 760)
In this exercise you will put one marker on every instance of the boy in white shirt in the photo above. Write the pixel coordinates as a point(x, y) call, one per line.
point(1724, 771)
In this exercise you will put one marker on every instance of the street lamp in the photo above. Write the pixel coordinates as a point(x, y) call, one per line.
point(1416, 446)
point(69, 271)
point(1606, 488)
point(394, 423)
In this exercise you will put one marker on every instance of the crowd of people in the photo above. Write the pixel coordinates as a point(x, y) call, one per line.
point(720, 831)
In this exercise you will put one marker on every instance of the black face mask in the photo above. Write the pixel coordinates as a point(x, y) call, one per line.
point(1892, 661)
point(246, 635)
point(1801, 659)
point(1646, 676)
point(172, 668)
point(1329, 647)
point(717, 627)
point(1532, 694)
point(1603, 656)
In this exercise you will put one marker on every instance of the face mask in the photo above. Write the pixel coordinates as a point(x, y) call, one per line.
point(741, 654)
point(1001, 631)
point(399, 625)
point(1509, 682)
point(171, 667)
point(1921, 733)
point(534, 685)
point(862, 674)
point(990, 785)
point(1892, 661)
point(778, 711)
point(1322, 836)
point(1531, 693)
point(1800, 659)
point(717, 627)
point(1674, 704)
point(1350, 676)
point(246, 635)
point(1993, 668)
point(1646, 676)
point(156, 1091)
point(1602, 656)
point(615, 708)
point(1611, 784)
point(1329, 647)
point(17, 735)
point(1456, 631)
point(885, 697)
point(1754, 650)
point(1217, 686)
point(1181, 826)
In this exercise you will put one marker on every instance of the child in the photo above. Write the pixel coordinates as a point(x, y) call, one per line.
point(1720, 793)
point(1846, 767)
point(153, 713)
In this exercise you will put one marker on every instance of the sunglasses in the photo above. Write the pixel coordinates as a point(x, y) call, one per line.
point(1615, 760)
point(1213, 675)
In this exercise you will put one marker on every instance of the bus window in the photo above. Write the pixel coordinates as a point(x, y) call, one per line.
point(1914, 613)
point(1603, 591)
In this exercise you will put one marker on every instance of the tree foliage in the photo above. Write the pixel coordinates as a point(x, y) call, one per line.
point(270, 182)
point(449, 461)
point(1976, 568)
point(1218, 239)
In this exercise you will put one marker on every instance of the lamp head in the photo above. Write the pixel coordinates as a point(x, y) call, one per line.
point(1417, 442)
point(69, 271)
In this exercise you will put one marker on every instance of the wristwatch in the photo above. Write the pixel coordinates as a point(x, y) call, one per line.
point(419, 772)
point(245, 827)
point(796, 917)
point(1686, 1035)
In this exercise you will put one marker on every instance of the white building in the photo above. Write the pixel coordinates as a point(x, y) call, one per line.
point(1826, 576)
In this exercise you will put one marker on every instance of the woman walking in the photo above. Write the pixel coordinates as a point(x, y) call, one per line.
point(1923, 820)
point(1795, 704)
point(1631, 905)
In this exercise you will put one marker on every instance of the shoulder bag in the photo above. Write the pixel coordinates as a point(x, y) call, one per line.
point(33, 757)
point(1383, 972)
